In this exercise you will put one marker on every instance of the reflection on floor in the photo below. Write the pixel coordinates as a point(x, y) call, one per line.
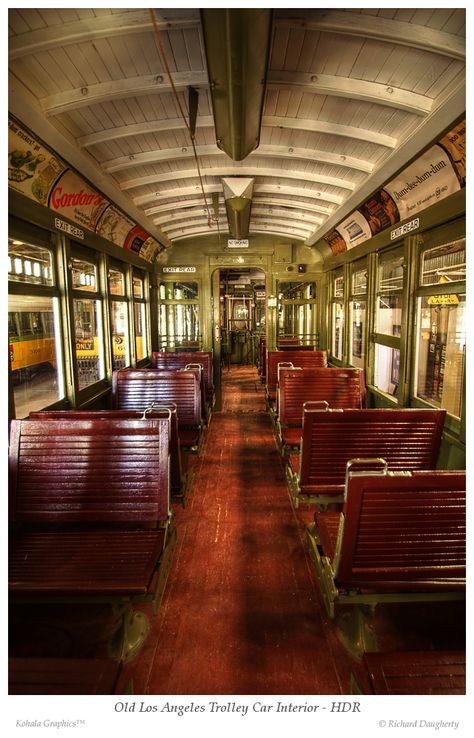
point(242, 613)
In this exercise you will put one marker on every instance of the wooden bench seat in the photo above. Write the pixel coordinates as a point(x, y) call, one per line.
point(294, 356)
point(138, 389)
point(408, 439)
point(399, 537)
point(339, 387)
point(74, 676)
point(417, 672)
point(178, 479)
point(89, 503)
point(180, 360)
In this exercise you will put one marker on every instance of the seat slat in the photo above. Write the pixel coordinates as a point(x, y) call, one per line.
point(101, 562)
point(418, 672)
point(408, 439)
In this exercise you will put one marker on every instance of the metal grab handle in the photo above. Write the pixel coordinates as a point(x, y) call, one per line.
point(366, 461)
point(284, 365)
point(316, 406)
point(158, 406)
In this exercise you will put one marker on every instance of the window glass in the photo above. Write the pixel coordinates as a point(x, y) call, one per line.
point(179, 326)
point(357, 315)
point(387, 369)
point(441, 351)
point(179, 291)
point(35, 352)
point(119, 326)
point(338, 330)
point(339, 287)
point(388, 322)
point(140, 330)
point(89, 341)
point(444, 264)
point(116, 282)
point(84, 275)
point(296, 323)
point(337, 315)
point(138, 288)
point(179, 316)
point(359, 282)
point(357, 326)
point(390, 298)
point(29, 263)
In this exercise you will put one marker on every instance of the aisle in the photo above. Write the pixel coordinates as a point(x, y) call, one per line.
point(240, 613)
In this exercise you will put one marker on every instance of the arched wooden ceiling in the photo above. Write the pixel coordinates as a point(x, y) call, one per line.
point(351, 96)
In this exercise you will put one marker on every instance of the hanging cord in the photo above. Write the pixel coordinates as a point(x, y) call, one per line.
point(178, 102)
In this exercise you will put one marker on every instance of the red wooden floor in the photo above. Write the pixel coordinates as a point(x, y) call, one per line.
point(240, 615)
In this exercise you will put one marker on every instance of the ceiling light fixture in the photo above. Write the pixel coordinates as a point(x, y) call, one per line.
point(237, 44)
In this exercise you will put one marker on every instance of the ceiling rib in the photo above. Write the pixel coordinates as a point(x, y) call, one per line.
point(385, 30)
point(278, 152)
point(80, 97)
point(264, 187)
point(139, 129)
point(354, 89)
point(83, 31)
point(244, 171)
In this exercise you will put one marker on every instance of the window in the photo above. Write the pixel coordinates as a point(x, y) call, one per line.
point(140, 317)
point(337, 315)
point(358, 314)
point(441, 328)
point(30, 264)
point(34, 329)
point(118, 318)
point(297, 314)
point(179, 315)
point(388, 323)
point(88, 317)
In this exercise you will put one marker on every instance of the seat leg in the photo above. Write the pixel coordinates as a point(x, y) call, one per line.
point(355, 631)
point(131, 636)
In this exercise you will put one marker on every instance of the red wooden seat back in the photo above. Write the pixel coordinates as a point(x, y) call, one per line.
point(137, 389)
point(408, 439)
point(340, 388)
point(179, 360)
point(165, 410)
point(404, 531)
point(89, 471)
point(297, 356)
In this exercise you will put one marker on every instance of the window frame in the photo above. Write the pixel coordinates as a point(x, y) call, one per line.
point(34, 236)
point(429, 241)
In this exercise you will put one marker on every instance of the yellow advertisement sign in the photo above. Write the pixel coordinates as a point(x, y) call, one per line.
point(443, 300)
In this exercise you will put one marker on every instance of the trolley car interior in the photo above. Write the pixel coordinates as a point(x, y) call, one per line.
point(237, 338)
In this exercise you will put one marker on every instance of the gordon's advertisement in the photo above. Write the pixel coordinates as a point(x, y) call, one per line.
point(73, 199)
point(38, 174)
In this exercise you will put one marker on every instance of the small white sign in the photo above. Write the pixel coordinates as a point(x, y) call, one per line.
point(178, 270)
point(412, 225)
point(238, 243)
point(61, 225)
